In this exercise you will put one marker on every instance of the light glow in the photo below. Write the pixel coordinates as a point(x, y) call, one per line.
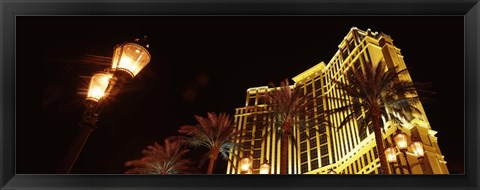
point(391, 154)
point(130, 57)
point(401, 140)
point(98, 85)
point(245, 164)
point(417, 148)
point(265, 168)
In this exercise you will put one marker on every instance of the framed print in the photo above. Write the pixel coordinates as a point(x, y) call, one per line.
point(239, 95)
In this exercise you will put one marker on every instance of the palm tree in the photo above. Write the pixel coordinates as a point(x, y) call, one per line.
point(377, 91)
point(286, 103)
point(216, 133)
point(166, 159)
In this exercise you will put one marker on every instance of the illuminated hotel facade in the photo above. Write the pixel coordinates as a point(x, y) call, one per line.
point(349, 150)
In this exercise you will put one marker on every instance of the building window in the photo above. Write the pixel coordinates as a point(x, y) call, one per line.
point(256, 164)
point(323, 139)
point(375, 153)
point(309, 88)
point(323, 150)
point(313, 142)
point(247, 145)
point(251, 101)
point(311, 123)
point(313, 154)
point(365, 159)
point(317, 83)
point(351, 45)
point(257, 144)
point(322, 129)
point(370, 155)
point(314, 164)
point(303, 135)
point(304, 167)
point(362, 133)
point(258, 133)
point(303, 146)
point(356, 166)
point(325, 161)
point(344, 54)
point(256, 153)
point(370, 129)
point(303, 157)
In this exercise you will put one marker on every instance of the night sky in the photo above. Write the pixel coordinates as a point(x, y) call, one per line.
point(198, 65)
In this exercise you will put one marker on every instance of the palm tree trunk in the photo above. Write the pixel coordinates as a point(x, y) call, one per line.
point(284, 148)
point(377, 128)
point(210, 166)
point(213, 157)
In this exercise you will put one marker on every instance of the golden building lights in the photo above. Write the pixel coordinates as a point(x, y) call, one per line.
point(352, 149)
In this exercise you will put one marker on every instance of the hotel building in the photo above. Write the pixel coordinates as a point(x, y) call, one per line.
point(350, 149)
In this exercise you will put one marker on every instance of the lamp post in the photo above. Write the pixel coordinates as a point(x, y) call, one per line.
point(128, 60)
point(401, 142)
point(417, 147)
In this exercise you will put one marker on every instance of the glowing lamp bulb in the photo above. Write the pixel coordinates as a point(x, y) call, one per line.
point(130, 57)
point(401, 140)
point(391, 154)
point(98, 85)
point(265, 168)
point(245, 164)
point(417, 148)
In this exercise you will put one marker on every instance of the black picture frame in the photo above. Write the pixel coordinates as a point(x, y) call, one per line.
point(10, 9)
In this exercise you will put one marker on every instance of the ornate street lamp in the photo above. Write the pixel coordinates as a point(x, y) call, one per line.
point(401, 142)
point(265, 168)
point(128, 60)
point(400, 139)
point(245, 165)
point(131, 57)
point(391, 154)
point(417, 147)
point(98, 86)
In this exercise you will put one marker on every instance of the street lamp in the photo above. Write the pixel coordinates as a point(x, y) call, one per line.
point(401, 142)
point(417, 147)
point(391, 154)
point(98, 86)
point(131, 57)
point(246, 165)
point(265, 168)
point(128, 60)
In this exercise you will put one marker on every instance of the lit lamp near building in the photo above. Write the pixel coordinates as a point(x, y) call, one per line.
point(391, 154)
point(401, 142)
point(417, 147)
point(128, 60)
point(265, 168)
point(246, 166)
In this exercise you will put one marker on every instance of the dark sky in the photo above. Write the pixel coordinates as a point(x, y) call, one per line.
point(201, 64)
